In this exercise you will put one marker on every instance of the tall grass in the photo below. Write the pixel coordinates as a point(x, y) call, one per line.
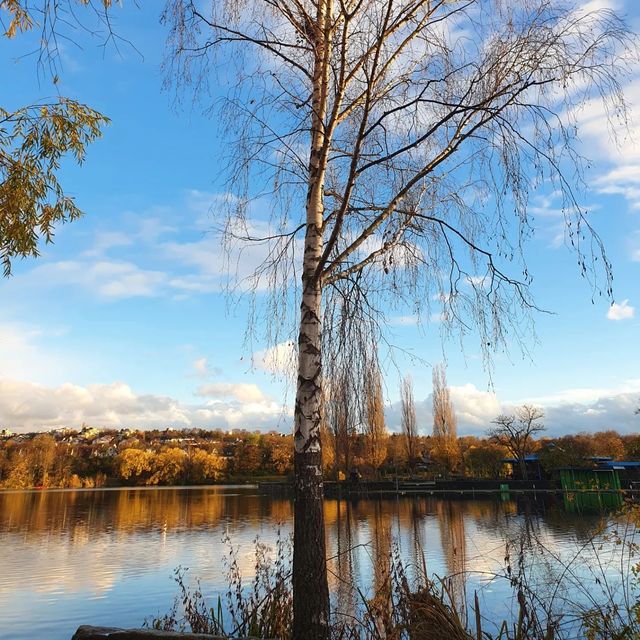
point(600, 601)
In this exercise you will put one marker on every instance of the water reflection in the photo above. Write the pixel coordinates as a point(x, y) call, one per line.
point(103, 557)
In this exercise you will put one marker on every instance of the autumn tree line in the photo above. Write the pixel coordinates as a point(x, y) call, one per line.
point(90, 458)
point(356, 443)
point(376, 453)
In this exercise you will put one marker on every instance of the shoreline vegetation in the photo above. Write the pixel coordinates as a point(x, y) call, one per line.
point(96, 458)
point(571, 601)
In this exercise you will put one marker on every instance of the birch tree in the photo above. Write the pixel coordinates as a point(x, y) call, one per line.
point(398, 143)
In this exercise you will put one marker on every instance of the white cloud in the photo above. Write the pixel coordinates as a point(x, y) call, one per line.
point(584, 395)
point(110, 279)
point(17, 348)
point(243, 392)
point(591, 408)
point(634, 246)
point(415, 320)
point(200, 365)
point(624, 181)
point(623, 311)
point(610, 142)
point(202, 368)
point(566, 411)
point(105, 240)
point(281, 359)
point(474, 409)
point(607, 412)
point(214, 266)
point(28, 406)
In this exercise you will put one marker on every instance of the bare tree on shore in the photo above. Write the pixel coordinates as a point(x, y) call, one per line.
point(517, 431)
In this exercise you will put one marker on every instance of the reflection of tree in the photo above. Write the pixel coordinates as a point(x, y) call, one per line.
point(381, 603)
point(131, 510)
point(418, 513)
point(344, 571)
point(98, 530)
point(453, 541)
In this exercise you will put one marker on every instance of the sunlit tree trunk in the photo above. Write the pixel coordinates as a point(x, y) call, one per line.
point(311, 600)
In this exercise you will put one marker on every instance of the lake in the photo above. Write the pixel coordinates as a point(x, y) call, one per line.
point(107, 557)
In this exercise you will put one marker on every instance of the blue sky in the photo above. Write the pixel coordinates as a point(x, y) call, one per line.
point(124, 321)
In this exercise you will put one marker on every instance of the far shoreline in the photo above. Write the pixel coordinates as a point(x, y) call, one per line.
point(233, 485)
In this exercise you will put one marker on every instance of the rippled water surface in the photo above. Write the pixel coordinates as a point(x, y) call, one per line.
point(107, 557)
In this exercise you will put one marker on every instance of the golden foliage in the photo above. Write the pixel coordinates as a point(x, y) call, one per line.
point(205, 466)
point(33, 141)
point(21, 15)
point(134, 463)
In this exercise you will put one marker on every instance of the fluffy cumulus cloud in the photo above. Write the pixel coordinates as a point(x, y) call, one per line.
point(567, 411)
point(615, 143)
point(592, 409)
point(279, 360)
point(622, 311)
point(28, 406)
point(474, 410)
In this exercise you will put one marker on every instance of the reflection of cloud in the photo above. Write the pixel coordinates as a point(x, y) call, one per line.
point(87, 543)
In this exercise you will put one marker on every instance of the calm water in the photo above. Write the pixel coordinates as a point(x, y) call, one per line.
point(107, 557)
